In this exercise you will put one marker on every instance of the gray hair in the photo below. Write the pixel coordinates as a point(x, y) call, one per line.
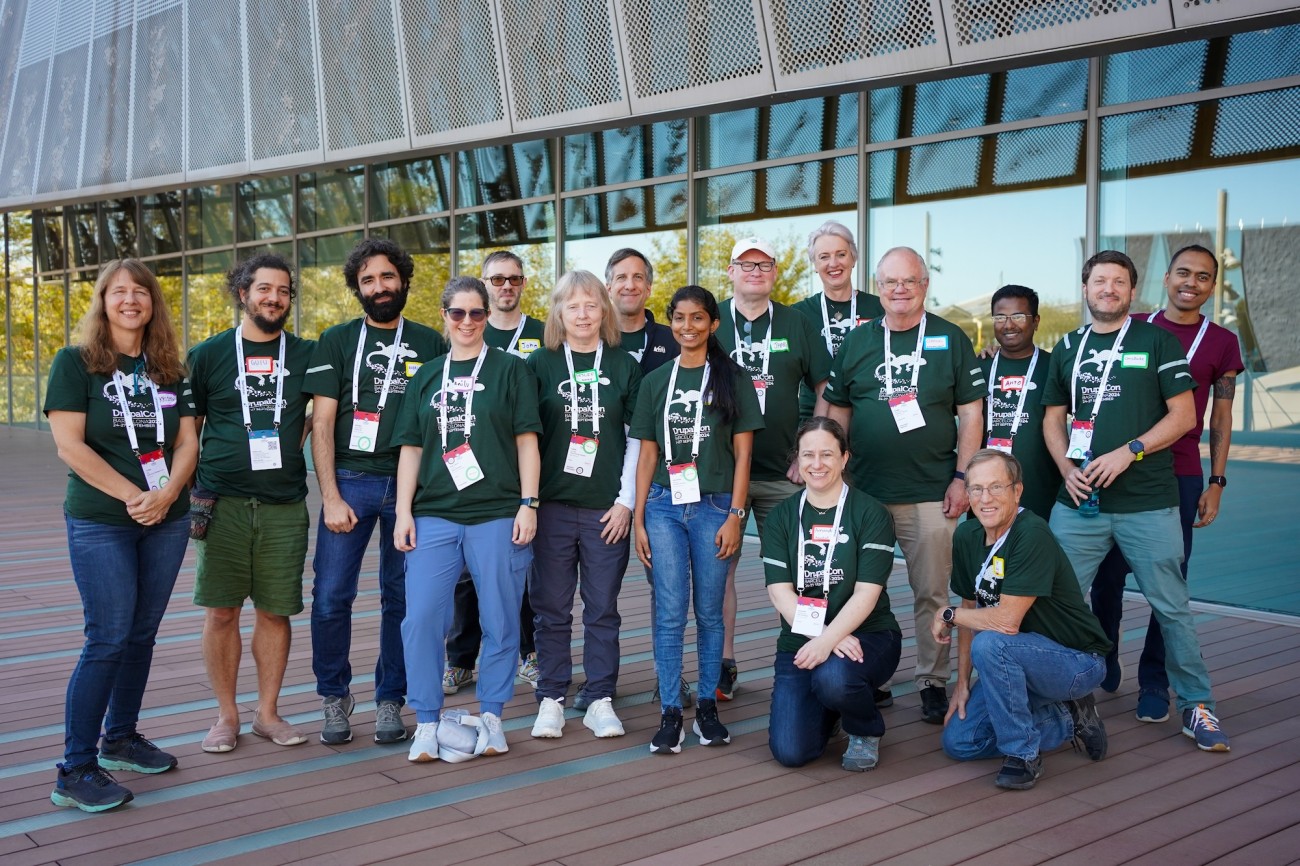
point(925, 270)
point(833, 228)
point(628, 253)
point(984, 455)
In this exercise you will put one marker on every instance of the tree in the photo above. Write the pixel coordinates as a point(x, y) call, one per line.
point(668, 252)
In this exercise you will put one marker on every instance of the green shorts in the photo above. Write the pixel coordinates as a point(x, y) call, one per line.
point(253, 550)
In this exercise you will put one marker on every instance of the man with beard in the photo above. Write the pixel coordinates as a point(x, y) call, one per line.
point(359, 375)
point(509, 329)
point(252, 413)
point(629, 278)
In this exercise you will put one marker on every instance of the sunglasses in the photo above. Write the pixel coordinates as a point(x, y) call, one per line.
point(498, 280)
point(456, 314)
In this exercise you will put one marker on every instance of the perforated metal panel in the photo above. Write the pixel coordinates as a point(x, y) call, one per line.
point(986, 29)
point(944, 166)
point(1262, 54)
point(215, 95)
point(66, 101)
point(1037, 155)
point(364, 106)
point(1147, 137)
point(1191, 12)
point(1257, 123)
point(108, 100)
point(282, 83)
point(158, 133)
point(18, 162)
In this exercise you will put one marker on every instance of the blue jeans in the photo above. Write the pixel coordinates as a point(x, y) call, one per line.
point(125, 575)
point(687, 569)
point(337, 564)
point(1108, 593)
point(1152, 543)
point(1015, 706)
point(805, 704)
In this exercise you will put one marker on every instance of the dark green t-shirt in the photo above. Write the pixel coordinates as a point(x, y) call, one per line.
point(330, 375)
point(717, 459)
point(1041, 478)
point(916, 466)
point(798, 357)
point(530, 338)
point(72, 388)
point(836, 315)
point(224, 462)
point(1029, 563)
point(1152, 367)
point(863, 554)
point(619, 380)
point(505, 405)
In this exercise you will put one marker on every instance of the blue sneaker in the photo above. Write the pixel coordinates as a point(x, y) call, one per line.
point(1203, 726)
point(88, 787)
point(134, 753)
point(1153, 706)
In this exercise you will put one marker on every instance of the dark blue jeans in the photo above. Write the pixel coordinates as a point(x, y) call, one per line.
point(337, 564)
point(125, 575)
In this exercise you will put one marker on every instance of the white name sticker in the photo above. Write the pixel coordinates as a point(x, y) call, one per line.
point(528, 346)
point(259, 365)
point(940, 342)
point(166, 399)
point(1012, 383)
point(413, 367)
point(586, 377)
point(778, 345)
point(1136, 360)
point(823, 534)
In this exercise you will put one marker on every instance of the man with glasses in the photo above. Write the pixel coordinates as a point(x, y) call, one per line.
point(509, 328)
point(900, 380)
point(630, 277)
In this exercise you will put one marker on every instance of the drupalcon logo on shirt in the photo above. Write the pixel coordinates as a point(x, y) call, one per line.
point(378, 360)
point(259, 383)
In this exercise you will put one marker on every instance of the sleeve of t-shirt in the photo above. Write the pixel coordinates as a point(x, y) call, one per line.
point(185, 398)
point(527, 417)
point(325, 370)
point(645, 420)
point(875, 540)
point(971, 384)
point(1056, 390)
point(1030, 564)
point(775, 548)
point(68, 383)
point(819, 361)
point(963, 575)
point(198, 381)
point(1172, 369)
point(406, 431)
point(1230, 357)
point(837, 381)
point(751, 416)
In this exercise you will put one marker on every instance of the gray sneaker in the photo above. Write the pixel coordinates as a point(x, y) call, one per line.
point(688, 697)
point(862, 754)
point(389, 727)
point(496, 737)
point(337, 709)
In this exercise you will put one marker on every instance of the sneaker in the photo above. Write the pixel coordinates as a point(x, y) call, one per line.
point(862, 754)
point(88, 787)
point(389, 727)
point(581, 702)
point(727, 680)
point(528, 671)
point(688, 697)
point(1203, 726)
point(337, 709)
point(454, 678)
point(601, 719)
point(1114, 677)
point(1089, 732)
point(670, 735)
point(1153, 706)
point(1019, 774)
point(550, 719)
point(707, 727)
point(934, 704)
point(883, 698)
point(496, 737)
point(134, 753)
point(424, 745)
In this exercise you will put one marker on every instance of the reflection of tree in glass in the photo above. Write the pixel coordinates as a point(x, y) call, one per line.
point(668, 252)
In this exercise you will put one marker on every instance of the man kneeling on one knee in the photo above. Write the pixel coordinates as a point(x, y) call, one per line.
point(1024, 626)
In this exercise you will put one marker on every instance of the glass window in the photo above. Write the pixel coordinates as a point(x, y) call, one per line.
point(81, 290)
point(429, 244)
point(728, 138)
point(502, 173)
point(950, 104)
point(49, 240)
point(168, 272)
point(211, 309)
point(331, 199)
point(22, 347)
point(404, 189)
point(1262, 54)
point(1150, 73)
point(528, 232)
point(324, 298)
point(265, 208)
point(117, 238)
point(160, 224)
point(83, 223)
point(1041, 91)
point(625, 211)
point(51, 326)
point(210, 216)
point(20, 237)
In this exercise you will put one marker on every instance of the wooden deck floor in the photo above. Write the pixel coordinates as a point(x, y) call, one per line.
point(584, 801)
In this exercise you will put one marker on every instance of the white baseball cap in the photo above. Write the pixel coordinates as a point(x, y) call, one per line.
point(744, 245)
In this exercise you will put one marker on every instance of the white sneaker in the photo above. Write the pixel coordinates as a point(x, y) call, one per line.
point(550, 719)
point(496, 737)
point(602, 720)
point(424, 745)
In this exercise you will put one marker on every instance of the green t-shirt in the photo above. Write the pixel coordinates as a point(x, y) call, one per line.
point(797, 356)
point(916, 466)
point(1152, 367)
point(505, 405)
point(836, 314)
point(717, 459)
point(1041, 478)
point(633, 342)
point(224, 462)
point(72, 388)
point(1029, 563)
point(619, 381)
point(330, 375)
point(530, 338)
point(863, 554)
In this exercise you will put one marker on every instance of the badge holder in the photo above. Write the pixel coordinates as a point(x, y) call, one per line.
point(1003, 445)
point(463, 466)
point(1080, 440)
point(155, 469)
point(906, 410)
point(684, 481)
point(365, 431)
point(760, 388)
point(581, 457)
point(809, 617)
point(264, 449)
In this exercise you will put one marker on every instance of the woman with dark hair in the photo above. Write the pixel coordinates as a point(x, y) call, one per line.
point(828, 552)
point(119, 407)
point(694, 464)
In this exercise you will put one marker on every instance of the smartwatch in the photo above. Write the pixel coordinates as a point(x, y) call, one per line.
point(1220, 480)
point(1137, 448)
point(950, 617)
point(530, 501)
point(739, 512)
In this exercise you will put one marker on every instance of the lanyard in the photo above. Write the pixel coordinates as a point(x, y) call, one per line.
point(997, 545)
point(1105, 374)
point(826, 318)
point(514, 341)
point(1200, 335)
point(699, 413)
point(277, 373)
point(469, 396)
point(1024, 391)
point(916, 358)
point(392, 364)
point(767, 342)
point(573, 391)
point(830, 547)
point(126, 413)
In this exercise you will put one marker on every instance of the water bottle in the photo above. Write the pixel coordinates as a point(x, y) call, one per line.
point(1091, 506)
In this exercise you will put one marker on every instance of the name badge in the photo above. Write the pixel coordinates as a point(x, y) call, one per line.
point(155, 469)
point(581, 459)
point(1012, 383)
point(940, 342)
point(259, 365)
point(778, 345)
point(1134, 359)
point(264, 449)
point(413, 367)
point(907, 412)
point(823, 534)
point(462, 383)
point(166, 399)
point(586, 377)
point(760, 388)
point(365, 431)
point(809, 617)
point(999, 567)
point(463, 466)
point(1003, 445)
point(528, 346)
point(1080, 440)
point(684, 482)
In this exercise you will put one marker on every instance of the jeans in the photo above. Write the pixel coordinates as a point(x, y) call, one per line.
point(498, 568)
point(1108, 593)
point(125, 575)
point(338, 568)
point(466, 634)
point(805, 704)
point(568, 542)
point(1015, 706)
point(687, 570)
point(1151, 542)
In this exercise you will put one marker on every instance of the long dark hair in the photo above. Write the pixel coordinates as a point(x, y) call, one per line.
point(721, 393)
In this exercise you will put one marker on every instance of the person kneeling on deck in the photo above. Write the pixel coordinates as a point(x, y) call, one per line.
point(828, 552)
point(1024, 625)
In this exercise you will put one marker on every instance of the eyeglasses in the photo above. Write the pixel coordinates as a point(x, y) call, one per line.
point(456, 314)
point(1018, 318)
point(909, 283)
point(994, 490)
point(763, 267)
point(499, 280)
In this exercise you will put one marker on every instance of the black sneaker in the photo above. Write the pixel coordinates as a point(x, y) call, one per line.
point(883, 698)
point(89, 788)
point(670, 736)
point(1089, 732)
point(134, 753)
point(707, 727)
point(934, 704)
point(1019, 774)
point(726, 689)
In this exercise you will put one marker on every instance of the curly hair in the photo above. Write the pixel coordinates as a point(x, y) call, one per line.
point(240, 277)
point(367, 249)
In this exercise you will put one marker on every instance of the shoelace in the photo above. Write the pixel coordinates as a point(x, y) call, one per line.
point(425, 729)
point(334, 712)
point(98, 776)
point(1203, 718)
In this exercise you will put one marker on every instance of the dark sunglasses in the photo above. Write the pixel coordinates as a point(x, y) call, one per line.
point(498, 280)
point(456, 314)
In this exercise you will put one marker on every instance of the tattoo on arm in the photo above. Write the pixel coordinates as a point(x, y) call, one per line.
point(1225, 387)
point(1216, 443)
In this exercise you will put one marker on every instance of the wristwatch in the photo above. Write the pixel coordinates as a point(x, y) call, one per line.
point(530, 501)
point(1220, 480)
point(1139, 450)
point(950, 617)
point(739, 512)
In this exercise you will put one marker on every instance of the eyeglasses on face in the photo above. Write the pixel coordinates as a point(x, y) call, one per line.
point(1018, 318)
point(909, 283)
point(995, 490)
point(763, 267)
point(499, 280)
point(456, 314)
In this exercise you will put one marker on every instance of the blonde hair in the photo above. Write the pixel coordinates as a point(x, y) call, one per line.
point(160, 346)
point(569, 285)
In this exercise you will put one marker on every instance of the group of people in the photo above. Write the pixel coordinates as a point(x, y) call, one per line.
point(512, 464)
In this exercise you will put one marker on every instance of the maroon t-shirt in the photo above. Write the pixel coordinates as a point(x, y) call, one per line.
point(1219, 353)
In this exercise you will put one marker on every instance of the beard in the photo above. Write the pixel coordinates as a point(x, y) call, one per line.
point(268, 325)
point(384, 308)
point(1108, 318)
